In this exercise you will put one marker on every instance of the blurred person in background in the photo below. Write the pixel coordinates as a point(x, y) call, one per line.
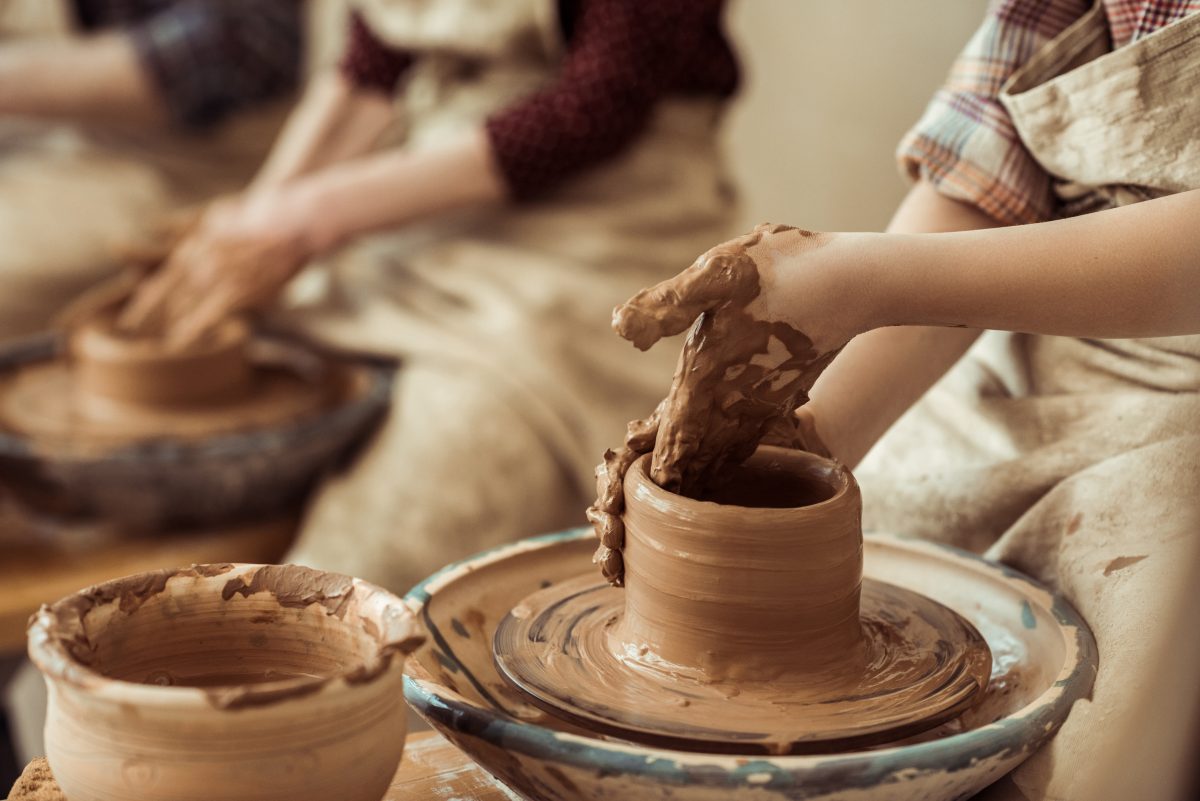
point(112, 112)
point(480, 183)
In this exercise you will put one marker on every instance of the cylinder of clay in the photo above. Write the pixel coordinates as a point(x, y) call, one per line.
point(145, 372)
point(225, 683)
point(762, 580)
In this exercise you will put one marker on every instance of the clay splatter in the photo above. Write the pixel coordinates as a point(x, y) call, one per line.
point(1122, 562)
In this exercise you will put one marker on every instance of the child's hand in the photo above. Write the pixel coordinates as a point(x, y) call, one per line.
point(770, 311)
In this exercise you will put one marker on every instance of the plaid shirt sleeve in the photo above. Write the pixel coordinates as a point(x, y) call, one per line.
point(965, 144)
point(210, 58)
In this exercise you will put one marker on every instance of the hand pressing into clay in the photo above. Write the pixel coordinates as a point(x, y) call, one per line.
point(768, 312)
point(238, 256)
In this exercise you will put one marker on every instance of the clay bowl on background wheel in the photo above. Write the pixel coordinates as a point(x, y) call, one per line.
point(222, 478)
point(114, 367)
point(225, 683)
point(1044, 659)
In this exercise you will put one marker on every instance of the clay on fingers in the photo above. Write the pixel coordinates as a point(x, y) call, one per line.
point(605, 513)
point(738, 377)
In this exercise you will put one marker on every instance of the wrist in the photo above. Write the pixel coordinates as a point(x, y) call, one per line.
point(307, 211)
point(867, 280)
point(898, 276)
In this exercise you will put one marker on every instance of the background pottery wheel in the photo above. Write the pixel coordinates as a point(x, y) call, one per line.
point(1043, 660)
point(920, 665)
point(223, 476)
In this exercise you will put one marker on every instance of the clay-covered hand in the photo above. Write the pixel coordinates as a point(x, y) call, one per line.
point(768, 312)
point(798, 431)
point(237, 257)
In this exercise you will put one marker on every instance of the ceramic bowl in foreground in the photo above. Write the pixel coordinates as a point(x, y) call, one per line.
point(1044, 659)
point(225, 683)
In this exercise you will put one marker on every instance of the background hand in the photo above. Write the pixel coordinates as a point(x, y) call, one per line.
point(239, 256)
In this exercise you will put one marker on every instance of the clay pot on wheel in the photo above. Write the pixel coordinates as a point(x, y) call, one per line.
point(759, 579)
point(745, 625)
point(225, 682)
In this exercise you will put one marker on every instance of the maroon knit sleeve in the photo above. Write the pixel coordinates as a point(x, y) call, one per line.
point(623, 56)
point(368, 62)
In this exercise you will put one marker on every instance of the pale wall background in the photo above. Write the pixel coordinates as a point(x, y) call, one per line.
point(829, 88)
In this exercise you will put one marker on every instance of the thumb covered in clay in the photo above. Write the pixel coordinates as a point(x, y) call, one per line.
point(797, 431)
point(670, 307)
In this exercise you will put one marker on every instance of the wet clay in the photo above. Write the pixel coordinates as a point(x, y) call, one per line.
point(234, 675)
point(745, 628)
point(739, 377)
point(111, 389)
point(768, 486)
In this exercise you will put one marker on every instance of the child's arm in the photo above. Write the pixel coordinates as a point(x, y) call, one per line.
point(190, 63)
point(98, 78)
point(1128, 272)
point(335, 121)
point(881, 373)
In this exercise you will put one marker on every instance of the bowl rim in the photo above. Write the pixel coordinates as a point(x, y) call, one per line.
point(1022, 731)
point(842, 482)
point(58, 665)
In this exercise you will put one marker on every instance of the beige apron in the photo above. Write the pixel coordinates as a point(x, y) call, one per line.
point(1078, 460)
point(512, 383)
point(72, 199)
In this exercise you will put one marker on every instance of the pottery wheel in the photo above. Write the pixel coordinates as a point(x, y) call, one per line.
point(39, 401)
point(919, 665)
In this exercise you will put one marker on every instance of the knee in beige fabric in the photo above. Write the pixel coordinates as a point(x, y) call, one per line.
point(1119, 540)
point(456, 468)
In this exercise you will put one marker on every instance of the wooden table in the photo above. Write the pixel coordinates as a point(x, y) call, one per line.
point(432, 768)
point(34, 574)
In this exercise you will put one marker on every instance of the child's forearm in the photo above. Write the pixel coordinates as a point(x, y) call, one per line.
point(876, 379)
point(1128, 272)
point(97, 78)
point(334, 122)
point(396, 187)
point(881, 373)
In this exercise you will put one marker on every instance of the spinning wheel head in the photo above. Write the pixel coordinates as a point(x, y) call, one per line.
point(917, 664)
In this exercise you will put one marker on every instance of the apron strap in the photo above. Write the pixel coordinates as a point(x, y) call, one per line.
point(1118, 125)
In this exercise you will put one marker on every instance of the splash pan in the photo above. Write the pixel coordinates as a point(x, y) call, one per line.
point(1043, 660)
point(918, 665)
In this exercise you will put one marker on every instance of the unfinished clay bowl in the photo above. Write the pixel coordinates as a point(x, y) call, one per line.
point(225, 682)
point(225, 476)
point(1043, 660)
point(146, 372)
